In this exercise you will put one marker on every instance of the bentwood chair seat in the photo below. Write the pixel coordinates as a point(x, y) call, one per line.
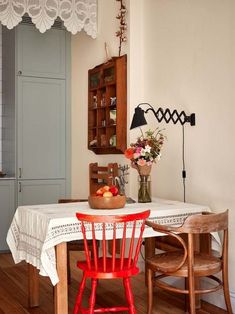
point(118, 265)
point(204, 265)
point(188, 262)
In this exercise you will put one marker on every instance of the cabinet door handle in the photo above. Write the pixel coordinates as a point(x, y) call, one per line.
point(20, 172)
point(20, 187)
point(19, 72)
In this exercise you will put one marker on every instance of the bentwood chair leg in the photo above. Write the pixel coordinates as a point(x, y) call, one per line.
point(78, 303)
point(226, 289)
point(129, 295)
point(92, 297)
point(192, 302)
point(150, 290)
point(186, 296)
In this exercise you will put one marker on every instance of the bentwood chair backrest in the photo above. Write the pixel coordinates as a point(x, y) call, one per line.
point(101, 175)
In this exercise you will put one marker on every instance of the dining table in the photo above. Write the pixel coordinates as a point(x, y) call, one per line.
point(39, 234)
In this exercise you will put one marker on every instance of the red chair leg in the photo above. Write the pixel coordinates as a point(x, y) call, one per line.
point(93, 295)
point(78, 302)
point(129, 295)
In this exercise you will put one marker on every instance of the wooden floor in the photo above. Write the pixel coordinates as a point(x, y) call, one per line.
point(13, 292)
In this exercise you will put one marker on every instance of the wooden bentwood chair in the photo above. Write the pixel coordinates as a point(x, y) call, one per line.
point(101, 175)
point(105, 267)
point(189, 264)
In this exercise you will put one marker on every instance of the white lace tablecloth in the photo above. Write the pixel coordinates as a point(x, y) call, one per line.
point(37, 229)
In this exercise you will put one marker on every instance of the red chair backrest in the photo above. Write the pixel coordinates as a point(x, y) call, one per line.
point(125, 227)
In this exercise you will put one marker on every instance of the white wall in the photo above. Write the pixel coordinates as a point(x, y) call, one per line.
point(87, 53)
point(189, 65)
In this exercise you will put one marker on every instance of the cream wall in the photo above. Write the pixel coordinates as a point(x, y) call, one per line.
point(189, 65)
point(87, 53)
point(180, 55)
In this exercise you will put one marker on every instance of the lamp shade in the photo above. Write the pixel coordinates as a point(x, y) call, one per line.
point(138, 118)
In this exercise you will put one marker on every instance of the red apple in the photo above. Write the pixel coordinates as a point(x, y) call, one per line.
point(114, 190)
point(107, 194)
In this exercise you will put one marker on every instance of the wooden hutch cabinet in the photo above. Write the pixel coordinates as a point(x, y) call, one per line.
point(107, 107)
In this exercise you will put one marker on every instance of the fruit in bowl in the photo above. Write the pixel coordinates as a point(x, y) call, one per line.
point(107, 197)
point(112, 191)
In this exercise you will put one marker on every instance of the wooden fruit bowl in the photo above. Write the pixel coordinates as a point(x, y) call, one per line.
point(113, 202)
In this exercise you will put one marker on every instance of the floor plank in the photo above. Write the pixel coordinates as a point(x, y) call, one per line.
point(13, 292)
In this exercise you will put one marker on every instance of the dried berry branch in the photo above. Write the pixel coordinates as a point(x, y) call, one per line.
point(121, 33)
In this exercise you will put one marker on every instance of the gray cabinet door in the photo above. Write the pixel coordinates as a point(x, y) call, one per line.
point(41, 128)
point(40, 55)
point(7, 209)
point(34, 192)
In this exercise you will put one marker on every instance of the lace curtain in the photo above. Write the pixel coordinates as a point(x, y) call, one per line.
point(76, 14)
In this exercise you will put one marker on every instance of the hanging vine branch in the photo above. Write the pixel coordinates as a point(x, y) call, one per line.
point(121, 33)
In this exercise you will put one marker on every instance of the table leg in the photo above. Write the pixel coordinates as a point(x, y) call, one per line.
point(61, 289)
point(149, 249)
point(33, 286)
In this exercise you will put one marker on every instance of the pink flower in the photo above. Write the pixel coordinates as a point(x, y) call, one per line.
point(138, 149)
point(136, 155)
point(141, 162)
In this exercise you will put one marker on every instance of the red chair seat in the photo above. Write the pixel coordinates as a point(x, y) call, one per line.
point(109, 273)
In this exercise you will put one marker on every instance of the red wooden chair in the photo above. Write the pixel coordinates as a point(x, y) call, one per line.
point(109, 267)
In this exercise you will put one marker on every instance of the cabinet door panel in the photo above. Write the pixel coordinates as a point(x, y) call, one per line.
point(7, 209)
point(41, 55)
point(33, 192)
point(41, 128)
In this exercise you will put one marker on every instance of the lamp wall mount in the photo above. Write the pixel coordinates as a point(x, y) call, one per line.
point(161, 114)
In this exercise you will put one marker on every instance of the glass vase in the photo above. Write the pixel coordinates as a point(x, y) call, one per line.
point(144, 193)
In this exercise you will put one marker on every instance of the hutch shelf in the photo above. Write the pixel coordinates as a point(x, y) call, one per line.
point(107, 107)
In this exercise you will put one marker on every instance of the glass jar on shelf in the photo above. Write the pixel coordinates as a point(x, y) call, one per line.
point(94, 101)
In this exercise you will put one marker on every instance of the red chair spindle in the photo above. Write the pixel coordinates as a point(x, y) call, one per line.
point(114, 247)
point(86, 246)
point(137, 251)
point(94, 246)
point(123, 246)
point(104, 247)
point(131, 244)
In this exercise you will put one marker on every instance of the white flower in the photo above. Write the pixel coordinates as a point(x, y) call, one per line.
point(142, 152)
point(147, 149)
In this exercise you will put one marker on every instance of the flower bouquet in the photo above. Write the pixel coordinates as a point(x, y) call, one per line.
point(142, 154)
